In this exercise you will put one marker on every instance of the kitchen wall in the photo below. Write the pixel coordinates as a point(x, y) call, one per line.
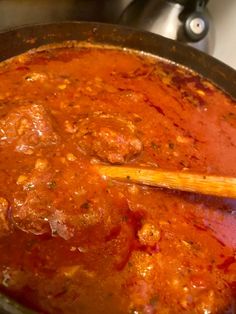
point(224, 18)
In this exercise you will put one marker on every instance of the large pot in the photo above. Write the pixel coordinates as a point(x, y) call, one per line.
point(20, 40)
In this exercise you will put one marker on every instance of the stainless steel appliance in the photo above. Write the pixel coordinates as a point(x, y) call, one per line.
point(187, 21)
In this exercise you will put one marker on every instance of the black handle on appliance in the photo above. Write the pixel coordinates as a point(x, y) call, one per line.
point(196, 24)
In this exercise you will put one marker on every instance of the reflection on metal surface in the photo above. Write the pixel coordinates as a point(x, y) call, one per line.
point(197, 25)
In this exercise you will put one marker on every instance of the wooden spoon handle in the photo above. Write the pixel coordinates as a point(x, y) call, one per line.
point(178, 180)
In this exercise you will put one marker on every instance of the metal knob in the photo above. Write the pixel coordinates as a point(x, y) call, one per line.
point(196, 26)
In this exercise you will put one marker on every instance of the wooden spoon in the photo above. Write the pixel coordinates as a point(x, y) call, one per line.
point(177, 180)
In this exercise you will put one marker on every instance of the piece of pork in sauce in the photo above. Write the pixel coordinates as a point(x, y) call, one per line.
point(30, 209)
point(27, 127)
point(110, 138)
point(61, 203)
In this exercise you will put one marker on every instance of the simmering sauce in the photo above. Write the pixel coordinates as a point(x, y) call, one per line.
point(74, 242)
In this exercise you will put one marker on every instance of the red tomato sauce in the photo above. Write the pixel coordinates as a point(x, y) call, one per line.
point(72, 241)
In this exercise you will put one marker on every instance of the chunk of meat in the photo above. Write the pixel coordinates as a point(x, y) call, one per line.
point(38, 215)
point(56, 203)
point(27, 127)
point(35, 209)
point(30, 214)
point(110, 138)
point(4, 223)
